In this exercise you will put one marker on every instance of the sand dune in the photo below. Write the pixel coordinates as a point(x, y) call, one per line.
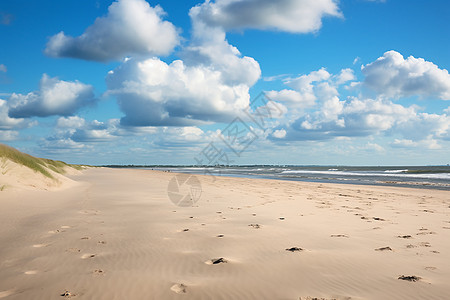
point(21, 171)
point(117, 235)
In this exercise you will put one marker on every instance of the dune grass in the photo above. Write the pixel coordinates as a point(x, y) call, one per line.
point(40, 165)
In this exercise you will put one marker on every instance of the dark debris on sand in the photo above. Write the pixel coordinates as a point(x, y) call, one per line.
point(384, 249)
point(411, 278)
point(294, 249)
point(405, 236)
point(220, 260)
point(256, 226)
point(67, 294)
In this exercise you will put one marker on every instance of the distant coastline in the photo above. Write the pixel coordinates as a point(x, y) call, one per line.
point(431, 177)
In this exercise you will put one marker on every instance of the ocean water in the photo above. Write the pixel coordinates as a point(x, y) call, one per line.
point(436, 177)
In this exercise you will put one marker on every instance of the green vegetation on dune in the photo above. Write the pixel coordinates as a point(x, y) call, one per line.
point(36, 164)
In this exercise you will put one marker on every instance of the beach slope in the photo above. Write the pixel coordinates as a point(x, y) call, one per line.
point(117, 234)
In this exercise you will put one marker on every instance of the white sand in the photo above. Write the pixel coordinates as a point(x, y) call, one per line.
point(116, 235)
point(14, 176)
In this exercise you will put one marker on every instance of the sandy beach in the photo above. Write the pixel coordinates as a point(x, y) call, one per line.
point(115, 234)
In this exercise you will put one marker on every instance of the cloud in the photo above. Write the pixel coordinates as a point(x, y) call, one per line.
point(296, 16)
point(345, 75)
point(349, 118)
point(70, 122)
point(422, 126)
point(393, 76)
point(304, 83)
point(8, 135)
point(355, 117)
point(210, 83)
point(75, 132)
point(3, 68)
point(8, 125)
point(404, 143)
point(153, 93)
point(208, 47)
point(409, 144)
point(55, 97)
point(293, 98)
point(308, 88)
point(303, 93)
point(279, 134)
point(131, 27)
point(317, 111)
point(375, 147)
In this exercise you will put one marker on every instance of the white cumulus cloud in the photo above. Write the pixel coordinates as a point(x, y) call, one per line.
point(55, 97)
point(210, 84)
point(209, 47)
point(394, 76)
point(297, 16)
point(131, 27)
point(8, 125)
point(279, 133)
point(153, 93)
point(307, 89)
point(350, 118)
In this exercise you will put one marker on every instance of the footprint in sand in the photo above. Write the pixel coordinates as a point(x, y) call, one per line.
point(98, 272)
point(73, 250)
point(89, 212)
point(256, 226)
point(56, 231)
point(179, 288)
point(339, 235)
point(87, 255)
point(425, 232)
point(101, 242)
point(425, 244)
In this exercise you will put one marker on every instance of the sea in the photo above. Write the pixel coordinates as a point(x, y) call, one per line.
point(434, 177)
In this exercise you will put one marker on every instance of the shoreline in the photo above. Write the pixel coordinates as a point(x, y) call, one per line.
point(386, 183)
point(117, 234)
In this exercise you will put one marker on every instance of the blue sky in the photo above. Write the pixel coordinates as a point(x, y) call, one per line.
point(353, 82)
